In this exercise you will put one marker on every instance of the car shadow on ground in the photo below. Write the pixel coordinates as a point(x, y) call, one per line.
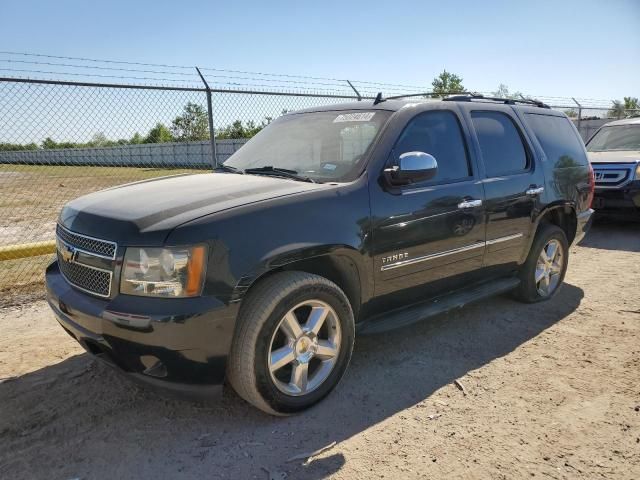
point(105, 427)
point(611, 235)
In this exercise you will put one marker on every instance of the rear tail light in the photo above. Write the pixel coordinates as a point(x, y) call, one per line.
point(592, 186)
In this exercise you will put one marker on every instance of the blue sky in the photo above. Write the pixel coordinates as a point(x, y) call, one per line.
point(564, 48)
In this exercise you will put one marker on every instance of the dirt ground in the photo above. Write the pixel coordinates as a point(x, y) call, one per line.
point(552, 391)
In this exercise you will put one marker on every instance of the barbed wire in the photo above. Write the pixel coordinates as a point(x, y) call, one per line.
point(206, 68)
point(240, 78)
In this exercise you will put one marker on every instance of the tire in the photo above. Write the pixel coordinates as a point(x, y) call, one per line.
point(530, 290)
point(266, 325)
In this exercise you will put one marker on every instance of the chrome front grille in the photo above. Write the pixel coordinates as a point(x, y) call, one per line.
point(89, 279)
point(81, 260)
point(95, 246)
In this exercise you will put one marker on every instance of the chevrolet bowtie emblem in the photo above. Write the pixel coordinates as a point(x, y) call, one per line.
point(67, 252)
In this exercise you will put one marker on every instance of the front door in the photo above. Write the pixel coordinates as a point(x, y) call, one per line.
point(428, 236)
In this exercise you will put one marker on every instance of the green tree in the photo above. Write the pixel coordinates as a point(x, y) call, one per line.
point(631, 103)
point(158, 134)
point(571, 113)
point(447, 83)
point(49, 143)
point(193, 124)
point(503, 92)
point(242, 130)
point(617, 109)
point(14, 147)
point(136, 139)
point(99, 139)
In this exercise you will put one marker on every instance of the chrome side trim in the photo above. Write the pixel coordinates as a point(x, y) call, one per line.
point(503, 239)
point(432, 256)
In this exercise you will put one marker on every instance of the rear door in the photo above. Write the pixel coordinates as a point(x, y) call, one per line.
point(513, 182)
point(429, 234)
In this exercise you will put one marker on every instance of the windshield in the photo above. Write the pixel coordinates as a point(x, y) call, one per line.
point(619, 137)
point(324, 146)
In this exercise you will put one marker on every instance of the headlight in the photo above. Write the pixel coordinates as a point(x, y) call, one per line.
point(638, 171)
point(164, 272)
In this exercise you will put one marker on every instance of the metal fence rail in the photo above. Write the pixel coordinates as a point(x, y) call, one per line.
point(63, 139)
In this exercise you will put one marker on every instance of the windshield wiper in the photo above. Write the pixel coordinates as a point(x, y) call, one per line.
point(282, 172)
point(227, 168)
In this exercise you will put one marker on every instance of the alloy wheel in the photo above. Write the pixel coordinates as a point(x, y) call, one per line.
point(304, 348)
point(549, 268)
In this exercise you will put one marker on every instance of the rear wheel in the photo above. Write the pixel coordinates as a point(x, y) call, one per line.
point(543, 272)
point(293, 342)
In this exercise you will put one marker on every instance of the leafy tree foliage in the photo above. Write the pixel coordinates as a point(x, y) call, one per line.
point(447, 83)
point(158, 134)
point(192, 125)
point(627, 107)
point(503, 92)
point(238, 129)
point(631, 103)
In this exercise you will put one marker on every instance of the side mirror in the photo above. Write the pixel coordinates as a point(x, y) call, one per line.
point(412, 167)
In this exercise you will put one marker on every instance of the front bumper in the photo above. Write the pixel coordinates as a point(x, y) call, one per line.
point(622, 203)
point(178, 344)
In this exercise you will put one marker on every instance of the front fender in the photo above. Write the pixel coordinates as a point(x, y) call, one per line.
point(248, 242)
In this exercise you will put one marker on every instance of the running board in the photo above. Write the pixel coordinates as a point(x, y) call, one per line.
point(421, 311)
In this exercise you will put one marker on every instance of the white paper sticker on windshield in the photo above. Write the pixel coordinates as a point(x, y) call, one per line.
point(354, 117)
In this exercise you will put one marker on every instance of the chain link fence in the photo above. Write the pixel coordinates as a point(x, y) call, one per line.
point(63, 139)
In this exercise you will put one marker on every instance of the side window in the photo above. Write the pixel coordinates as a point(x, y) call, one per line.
point(439, 134)
point(502, 149)
point(558, 139)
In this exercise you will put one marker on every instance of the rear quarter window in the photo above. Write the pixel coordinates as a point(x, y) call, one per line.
point(503, 150)
point(558, 139)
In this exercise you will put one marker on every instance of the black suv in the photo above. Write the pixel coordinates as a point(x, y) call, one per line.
point(362, 217)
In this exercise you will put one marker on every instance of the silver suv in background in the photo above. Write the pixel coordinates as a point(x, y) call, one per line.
point(614, 152)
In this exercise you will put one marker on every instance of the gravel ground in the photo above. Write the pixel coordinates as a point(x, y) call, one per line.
point(552, 391)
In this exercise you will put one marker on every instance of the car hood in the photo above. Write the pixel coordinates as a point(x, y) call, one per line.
point(143, 213)
point(623, 156)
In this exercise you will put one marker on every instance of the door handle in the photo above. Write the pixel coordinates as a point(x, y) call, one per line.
point(532, 191)
point(470, 204)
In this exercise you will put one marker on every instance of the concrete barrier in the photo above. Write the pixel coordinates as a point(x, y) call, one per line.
point(157, 155)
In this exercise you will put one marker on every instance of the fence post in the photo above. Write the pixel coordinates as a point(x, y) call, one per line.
point(212, 133)
point(579, 112)
point(354, 89)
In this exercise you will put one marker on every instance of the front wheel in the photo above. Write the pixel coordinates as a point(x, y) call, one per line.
point(293, 342)
point(543, 272)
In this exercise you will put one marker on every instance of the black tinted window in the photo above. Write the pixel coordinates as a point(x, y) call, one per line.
point(437, 133)
point(558, 139)
point(502, 149)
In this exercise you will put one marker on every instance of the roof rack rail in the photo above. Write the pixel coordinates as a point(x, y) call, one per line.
point(428, 94)
point(468, 97)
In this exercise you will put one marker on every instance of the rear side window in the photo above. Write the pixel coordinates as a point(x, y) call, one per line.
point(501, 143)
point(558, 139)
point(439, 134)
